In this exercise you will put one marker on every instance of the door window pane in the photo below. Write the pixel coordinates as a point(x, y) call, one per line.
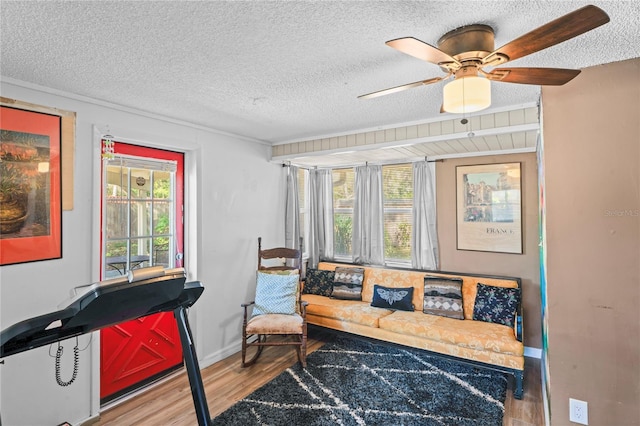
point(140, 252)
point(161, 218)
point(140, 183)
point(140, 218)
point(116, 248)
point(161, 251)
point(117, 218)
point(161, 184)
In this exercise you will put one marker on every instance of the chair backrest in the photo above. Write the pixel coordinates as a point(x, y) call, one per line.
point(282, 258)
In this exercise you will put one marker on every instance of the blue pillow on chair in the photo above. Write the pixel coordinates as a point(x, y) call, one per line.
point(276, 294)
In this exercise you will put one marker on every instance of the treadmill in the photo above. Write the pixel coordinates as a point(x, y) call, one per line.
point(141, 292)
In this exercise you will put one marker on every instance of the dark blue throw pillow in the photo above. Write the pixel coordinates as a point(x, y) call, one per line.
point(318, 282)
point(496, 304)
point(392, 298)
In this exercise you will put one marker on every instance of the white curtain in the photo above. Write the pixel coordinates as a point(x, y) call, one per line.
point(292, 210)
point(368, 216)
point(320, 216)
point(424, 247)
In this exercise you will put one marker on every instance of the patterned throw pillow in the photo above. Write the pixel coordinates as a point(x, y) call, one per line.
point(318, 282)
point(443, 297)
point(275, 294)
point(347, 283)
point(392, 298)
point(496, 304)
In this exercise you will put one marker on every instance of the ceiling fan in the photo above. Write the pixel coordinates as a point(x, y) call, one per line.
point(464, 53)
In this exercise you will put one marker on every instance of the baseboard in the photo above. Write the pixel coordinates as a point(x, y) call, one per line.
point(532, 352)
point(90, 421)
point(220, 355)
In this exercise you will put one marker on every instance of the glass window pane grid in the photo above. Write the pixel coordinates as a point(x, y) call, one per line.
point(136, 241)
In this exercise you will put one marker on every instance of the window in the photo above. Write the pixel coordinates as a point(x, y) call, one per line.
point(343, 197)
point(397, 192)
point(139, 213)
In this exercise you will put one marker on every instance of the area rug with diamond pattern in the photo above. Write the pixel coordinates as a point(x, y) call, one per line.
point(350, 381)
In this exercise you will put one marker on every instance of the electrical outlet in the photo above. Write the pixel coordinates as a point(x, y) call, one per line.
point(578, 411)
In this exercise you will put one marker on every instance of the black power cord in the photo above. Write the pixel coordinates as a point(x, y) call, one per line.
point(76, 359)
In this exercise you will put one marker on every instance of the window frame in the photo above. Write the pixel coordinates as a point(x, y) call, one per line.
point(304, 209)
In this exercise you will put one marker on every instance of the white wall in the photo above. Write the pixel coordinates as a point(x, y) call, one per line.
point(233, 196)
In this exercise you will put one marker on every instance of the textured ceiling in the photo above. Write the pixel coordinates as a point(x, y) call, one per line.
point(278, 71)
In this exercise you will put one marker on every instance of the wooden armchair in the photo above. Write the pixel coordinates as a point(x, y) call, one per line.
point(277, 308)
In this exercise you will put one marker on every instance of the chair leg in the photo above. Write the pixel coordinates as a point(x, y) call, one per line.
point(302, 351)
point(244, 349)
point(261, 339)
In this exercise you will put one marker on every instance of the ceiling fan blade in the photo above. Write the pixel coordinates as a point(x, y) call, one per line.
point(421, 50)
point(400, 88)
point(541, 76)
point(564, 28)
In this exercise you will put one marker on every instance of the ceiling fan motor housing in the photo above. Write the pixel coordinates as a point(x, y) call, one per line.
point(471, 42)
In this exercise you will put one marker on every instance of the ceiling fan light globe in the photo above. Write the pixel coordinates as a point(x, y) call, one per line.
point(467, 94)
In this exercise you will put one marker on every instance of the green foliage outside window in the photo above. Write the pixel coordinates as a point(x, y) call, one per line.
point(397, 245)
point(397, 188)
point(343, 232)
point(343, 197)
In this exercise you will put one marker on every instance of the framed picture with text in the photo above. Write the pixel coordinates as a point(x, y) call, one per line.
point(489, 208)
point(30, 186)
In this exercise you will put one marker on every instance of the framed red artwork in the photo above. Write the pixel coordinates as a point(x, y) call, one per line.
point(30, 186)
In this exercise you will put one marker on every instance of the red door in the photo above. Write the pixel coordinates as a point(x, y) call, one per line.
point(142, 226)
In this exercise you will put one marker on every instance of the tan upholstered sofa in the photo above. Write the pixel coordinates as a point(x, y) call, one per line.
point(485, 343)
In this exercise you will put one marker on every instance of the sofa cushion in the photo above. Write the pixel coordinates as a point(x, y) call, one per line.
point(496, 304)
point(393, 298)
point(318, 282)
point(347, 283)
point(354, 311)
point(466, 333)
point(276, 294)
point(443, 297)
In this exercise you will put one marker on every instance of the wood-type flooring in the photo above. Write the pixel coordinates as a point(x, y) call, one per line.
point(169, 402)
